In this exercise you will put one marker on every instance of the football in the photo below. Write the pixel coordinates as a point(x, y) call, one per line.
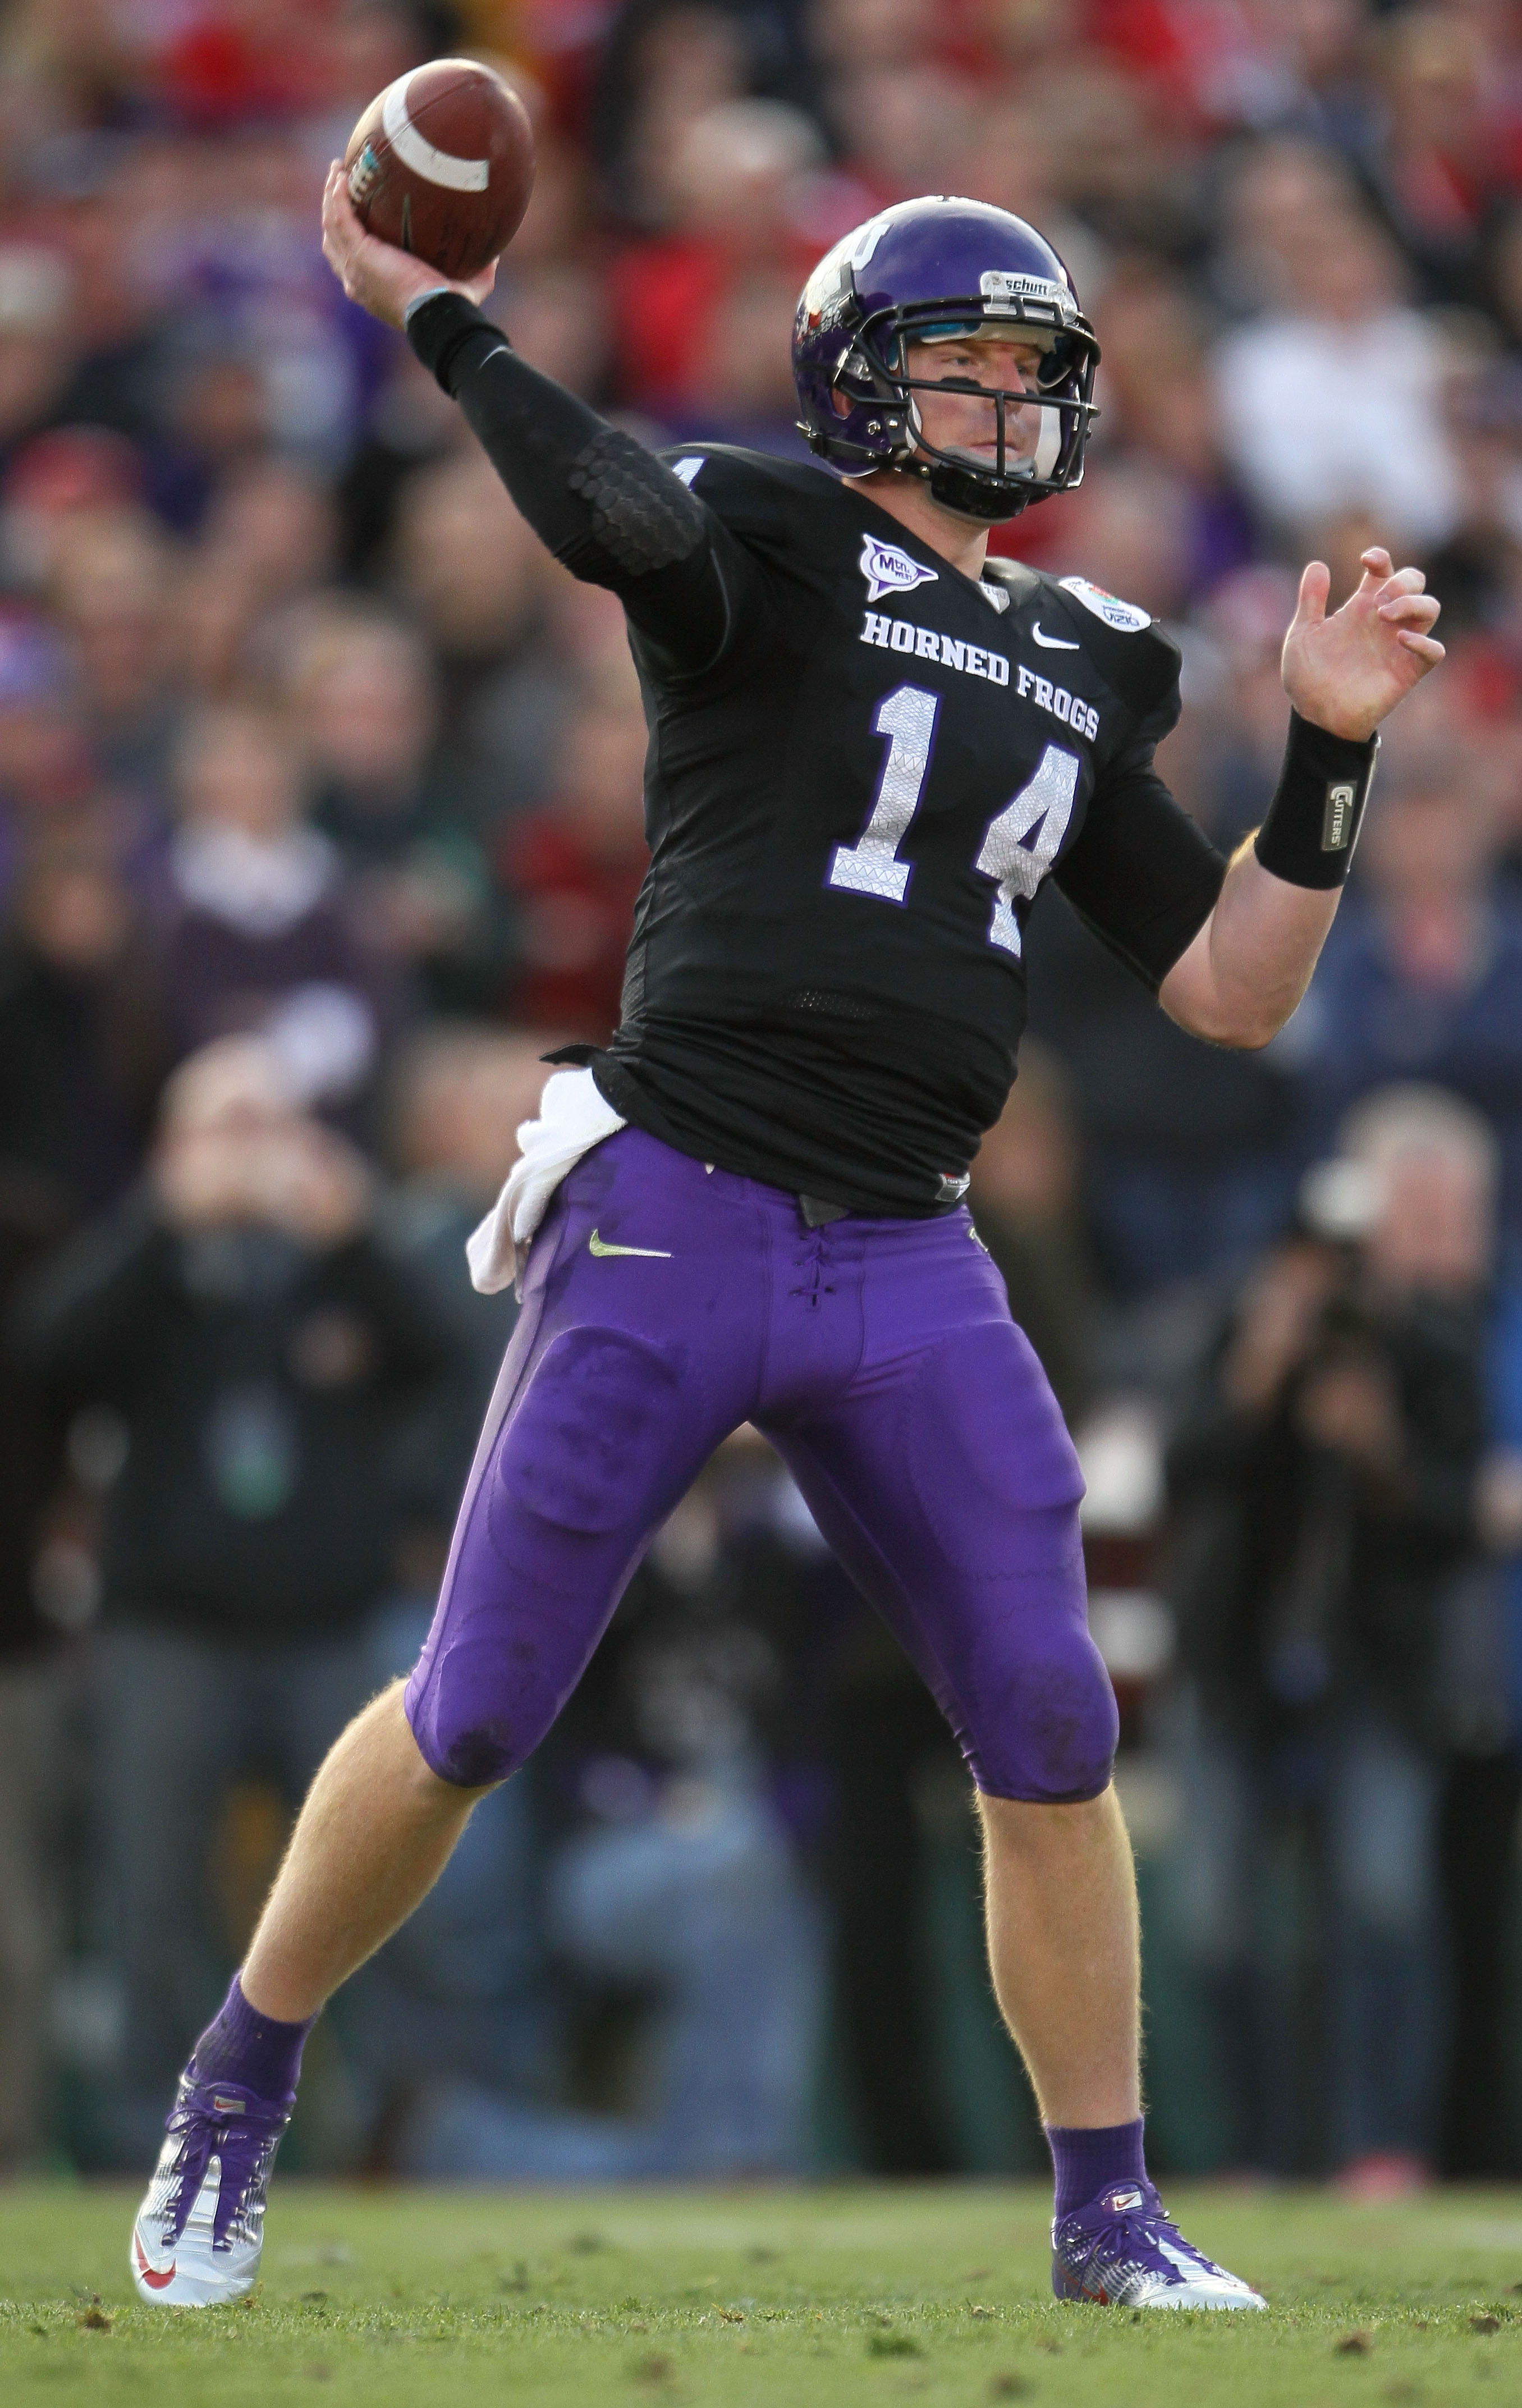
point(442, 164)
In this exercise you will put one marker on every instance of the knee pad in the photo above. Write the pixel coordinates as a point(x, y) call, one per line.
point(586, 1463)
point(1047, 1725)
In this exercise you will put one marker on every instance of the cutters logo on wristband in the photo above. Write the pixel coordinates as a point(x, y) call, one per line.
point(1311, 826)
point(1339, 820)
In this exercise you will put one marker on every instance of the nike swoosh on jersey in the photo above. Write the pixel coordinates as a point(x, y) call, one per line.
point(594, 1245)
point(1053, 643)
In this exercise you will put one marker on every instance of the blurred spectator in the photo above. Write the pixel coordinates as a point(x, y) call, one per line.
point(256, 933)
point(68, 1141)
point(260, 1348)
point(1476, 572)
point(1422, 975)
point(580, 644)
point(558, 320)
point(1436, 1161)
point(48, 779)
point(902, 124)
point(1158, 391)
point(474, 575)
point(705, 312)
point(267, 541)
point(111, 587)
point(52, 480)
point(365, 710)
point(35, 348)
point(1315, 55)
point(666, 61)
point(76, 1061)
point(575, 867)
point(1436, 161)
point(1320, 1483)
point(1332, 401)
point(1124, 156)
point(1277, 197)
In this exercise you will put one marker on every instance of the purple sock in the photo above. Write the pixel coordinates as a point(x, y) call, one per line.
point(1088, 2160)
point(244, 2046)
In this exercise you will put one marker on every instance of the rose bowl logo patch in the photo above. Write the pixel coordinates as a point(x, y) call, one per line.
point(1125, 617)
point(888, 570)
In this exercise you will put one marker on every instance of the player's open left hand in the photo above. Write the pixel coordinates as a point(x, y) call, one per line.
point(1346, 673)
point(381, 279)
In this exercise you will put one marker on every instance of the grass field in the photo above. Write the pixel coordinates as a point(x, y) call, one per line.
point(818, 2299)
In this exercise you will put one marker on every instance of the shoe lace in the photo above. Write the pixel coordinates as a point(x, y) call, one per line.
point(202, 2136)
point(1124, 2237)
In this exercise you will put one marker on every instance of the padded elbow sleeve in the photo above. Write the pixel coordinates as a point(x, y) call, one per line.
point(642, 516)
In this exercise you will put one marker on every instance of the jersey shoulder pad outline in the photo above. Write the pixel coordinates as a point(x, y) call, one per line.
point(1139, 660)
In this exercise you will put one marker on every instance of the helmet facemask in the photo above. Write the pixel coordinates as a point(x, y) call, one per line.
point(874, 369)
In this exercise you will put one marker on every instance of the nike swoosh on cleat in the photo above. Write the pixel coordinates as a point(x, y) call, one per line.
point(594, 1245)
point(1053, 643)
point(155, 2282)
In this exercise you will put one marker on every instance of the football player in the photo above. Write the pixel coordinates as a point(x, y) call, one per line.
point(870, 745)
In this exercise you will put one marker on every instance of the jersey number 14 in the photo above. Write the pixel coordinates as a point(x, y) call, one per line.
point(1020, 842)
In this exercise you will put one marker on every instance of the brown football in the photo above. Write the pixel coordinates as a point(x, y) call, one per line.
point(442, 164)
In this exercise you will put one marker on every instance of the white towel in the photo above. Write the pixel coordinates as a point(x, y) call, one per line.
point(573, 1118)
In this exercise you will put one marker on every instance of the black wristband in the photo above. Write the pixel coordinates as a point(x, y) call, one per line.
point(1312, 824)
point(439, 328)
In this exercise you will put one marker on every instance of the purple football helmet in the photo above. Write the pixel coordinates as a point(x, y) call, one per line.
point(928, 270)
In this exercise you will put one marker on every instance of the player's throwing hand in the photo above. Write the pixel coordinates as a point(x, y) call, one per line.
point(381, 279)
point(1346, 673)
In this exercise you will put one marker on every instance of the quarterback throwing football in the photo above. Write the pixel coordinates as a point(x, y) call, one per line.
point(868, 747)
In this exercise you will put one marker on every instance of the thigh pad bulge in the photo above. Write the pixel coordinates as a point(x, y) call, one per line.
point(586, 1439)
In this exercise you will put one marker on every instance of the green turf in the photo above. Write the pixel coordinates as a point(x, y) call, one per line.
point(815, 2299)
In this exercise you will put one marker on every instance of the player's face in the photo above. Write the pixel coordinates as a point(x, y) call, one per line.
point(959, 422)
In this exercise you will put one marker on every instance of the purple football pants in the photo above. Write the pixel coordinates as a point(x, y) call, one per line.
point(880, 1358)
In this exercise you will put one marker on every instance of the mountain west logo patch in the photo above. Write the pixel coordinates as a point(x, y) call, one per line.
point(888, 570)
point(1127, 618)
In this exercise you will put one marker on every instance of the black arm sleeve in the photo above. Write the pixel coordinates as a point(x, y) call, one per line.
point(1142, 875)
point(612, 512)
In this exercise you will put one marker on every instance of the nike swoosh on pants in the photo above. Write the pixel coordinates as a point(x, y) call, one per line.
point(595, 1245)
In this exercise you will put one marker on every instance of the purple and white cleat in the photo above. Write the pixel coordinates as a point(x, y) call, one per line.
point(201, 2228)
point(1122, 2251)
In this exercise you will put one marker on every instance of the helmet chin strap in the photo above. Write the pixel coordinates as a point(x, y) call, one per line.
point(961, 490)
point(958, 490)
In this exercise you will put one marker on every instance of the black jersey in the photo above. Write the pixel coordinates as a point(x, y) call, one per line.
point(862, 767)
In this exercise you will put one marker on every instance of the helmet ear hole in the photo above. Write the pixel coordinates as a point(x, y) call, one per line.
point(862, 376)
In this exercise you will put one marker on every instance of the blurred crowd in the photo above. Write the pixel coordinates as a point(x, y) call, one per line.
point(321, 823)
